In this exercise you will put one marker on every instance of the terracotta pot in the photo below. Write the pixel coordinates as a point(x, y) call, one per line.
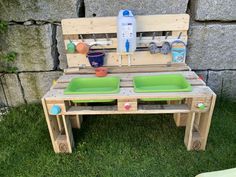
point(101, 72)
point(82, 48)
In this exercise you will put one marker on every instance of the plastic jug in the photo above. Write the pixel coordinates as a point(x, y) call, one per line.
point(126, 32)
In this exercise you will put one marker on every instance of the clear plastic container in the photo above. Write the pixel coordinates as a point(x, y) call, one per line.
point(126, 32)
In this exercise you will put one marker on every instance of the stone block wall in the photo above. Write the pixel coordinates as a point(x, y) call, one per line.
point(35, 34)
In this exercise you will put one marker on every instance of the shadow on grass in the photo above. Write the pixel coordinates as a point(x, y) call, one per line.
point(118, 145)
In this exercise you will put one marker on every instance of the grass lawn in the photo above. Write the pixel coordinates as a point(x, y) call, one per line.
point(128, 145)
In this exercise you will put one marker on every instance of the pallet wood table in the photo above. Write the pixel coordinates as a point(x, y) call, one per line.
point(185, 110)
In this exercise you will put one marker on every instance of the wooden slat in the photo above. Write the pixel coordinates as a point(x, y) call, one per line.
point(143, 109)
point(176, 23)
point(189, 130)
point(131, 69)
point(52, 126)
point(127, 79)
point(68, 132)
point(111, 59)
point(75, 121)
point(128, 93)
point(129, 76)
point(205, 122)
point(144, 42)
point(61, 85)
point(172, 22)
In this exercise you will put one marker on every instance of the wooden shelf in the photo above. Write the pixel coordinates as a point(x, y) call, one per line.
point(142, 109)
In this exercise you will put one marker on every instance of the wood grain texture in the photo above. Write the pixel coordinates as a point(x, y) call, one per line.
point(171, 22)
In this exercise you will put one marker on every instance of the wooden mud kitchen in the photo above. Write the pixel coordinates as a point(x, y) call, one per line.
point(142, 61)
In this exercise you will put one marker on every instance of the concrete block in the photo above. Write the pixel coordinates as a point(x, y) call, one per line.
point(61, 48)
point(32, 45)
point(12, 89)
point(48, 10)
point(223, 83)
point(35, 85)
point(141, 7)
point(212, 47)
point(215, 10)
point(202, 75)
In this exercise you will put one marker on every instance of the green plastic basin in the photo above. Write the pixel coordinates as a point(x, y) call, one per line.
point(93, 85)
point(161, 83)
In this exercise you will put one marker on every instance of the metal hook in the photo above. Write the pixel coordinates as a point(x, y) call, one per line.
point(180, 34)
point(107, 37)
point(81, 37)
point(140, 36)
point(167, 34)
point(94, 37)
point(153, 35)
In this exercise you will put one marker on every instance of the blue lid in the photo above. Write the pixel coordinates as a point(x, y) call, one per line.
point(126, 13)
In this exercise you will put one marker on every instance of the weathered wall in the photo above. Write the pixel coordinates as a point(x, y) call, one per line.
point(35, 34)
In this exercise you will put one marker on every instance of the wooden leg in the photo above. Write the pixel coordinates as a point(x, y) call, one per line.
point(60, 124)
point(189, 131)
point(68, 133)
point(179, 118)
point(205, 122)
point(197, 120)
point(52, 126)
point(76, 121)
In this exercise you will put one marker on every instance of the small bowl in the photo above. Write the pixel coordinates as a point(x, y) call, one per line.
point(101, 72)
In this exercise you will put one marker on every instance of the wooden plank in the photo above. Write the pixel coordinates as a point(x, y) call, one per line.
point(189, 131)
point(176, 23)
point(52, 126)
point(196, 141)
point(190, 75)
point(68, 132)
point(205, 122)
point(62, 144)
point(59, 122)
point(63, 85)
point(143, 42)
point(170, 22)
point(127, 79)
point(132, 69)
point(180, 33)
point(128, 93)
point(112, 59)
point(76, 121)
point(142, 109)
point(176, 116)
point(197, 120)
point(127, 105)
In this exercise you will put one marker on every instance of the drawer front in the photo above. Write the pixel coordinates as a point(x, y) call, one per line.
point(127, 105)
point(201, 104)
point(61, 105)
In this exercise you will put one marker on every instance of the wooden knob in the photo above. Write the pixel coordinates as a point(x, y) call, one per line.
point(127, 106)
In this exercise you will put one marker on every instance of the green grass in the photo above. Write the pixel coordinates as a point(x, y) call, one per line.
point(128, 145)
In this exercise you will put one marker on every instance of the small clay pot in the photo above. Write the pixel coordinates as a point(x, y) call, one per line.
point(82, 48)
point(101, 72)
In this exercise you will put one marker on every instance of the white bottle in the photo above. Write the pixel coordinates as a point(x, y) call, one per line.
point(126, 32)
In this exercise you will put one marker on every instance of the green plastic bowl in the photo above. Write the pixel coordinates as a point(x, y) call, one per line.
point(161, 83)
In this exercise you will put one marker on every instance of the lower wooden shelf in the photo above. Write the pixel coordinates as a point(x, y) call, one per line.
point(142, 109)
